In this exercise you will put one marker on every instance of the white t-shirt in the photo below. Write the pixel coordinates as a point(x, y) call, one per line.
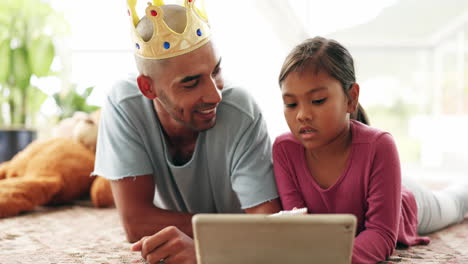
point(230, 169)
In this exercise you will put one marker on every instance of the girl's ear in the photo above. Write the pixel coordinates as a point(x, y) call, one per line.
point(145, 84)
point(353, 98)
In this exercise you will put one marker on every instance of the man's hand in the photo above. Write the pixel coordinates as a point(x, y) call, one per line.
point(170, 244)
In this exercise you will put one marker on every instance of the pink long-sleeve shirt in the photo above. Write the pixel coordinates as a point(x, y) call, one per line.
point(369, 188)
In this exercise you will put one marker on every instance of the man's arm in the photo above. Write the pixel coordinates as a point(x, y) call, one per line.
point(134, 200)
point(174, 246)
point(269, 207)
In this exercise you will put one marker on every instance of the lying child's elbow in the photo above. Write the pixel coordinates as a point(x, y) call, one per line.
point(391, 245)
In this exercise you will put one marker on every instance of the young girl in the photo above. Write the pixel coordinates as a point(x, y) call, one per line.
point(333, 162)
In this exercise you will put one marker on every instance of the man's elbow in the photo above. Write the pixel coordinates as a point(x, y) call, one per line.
point(132, 232)
point(136, 230)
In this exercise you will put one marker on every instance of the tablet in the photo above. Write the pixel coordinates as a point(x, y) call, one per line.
point(285, 239)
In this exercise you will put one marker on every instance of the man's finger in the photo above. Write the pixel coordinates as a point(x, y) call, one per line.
point(173, 251)
point(137, 246)
point(166, 251)
point(157, 240)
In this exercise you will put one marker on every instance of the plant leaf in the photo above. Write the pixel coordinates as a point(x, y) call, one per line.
point(21, 70)
point(5, 60)
point(72, 101)
point(36, 98)
point(87, 92)
point(41, 54)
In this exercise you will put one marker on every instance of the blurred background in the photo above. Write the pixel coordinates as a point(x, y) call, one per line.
point(411, 58)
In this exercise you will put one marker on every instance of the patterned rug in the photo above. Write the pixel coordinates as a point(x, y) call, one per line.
point(448, 246)
point(83, 234)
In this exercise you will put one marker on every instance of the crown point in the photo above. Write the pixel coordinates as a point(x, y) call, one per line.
point(166, 43)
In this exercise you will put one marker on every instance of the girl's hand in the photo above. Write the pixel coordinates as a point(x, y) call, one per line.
point(294, 211)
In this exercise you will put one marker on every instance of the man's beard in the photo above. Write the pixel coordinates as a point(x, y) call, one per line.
point(177, 114)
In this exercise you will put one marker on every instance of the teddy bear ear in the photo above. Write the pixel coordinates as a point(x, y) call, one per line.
point(96, 116)
point(80, 115)
point(86, 132)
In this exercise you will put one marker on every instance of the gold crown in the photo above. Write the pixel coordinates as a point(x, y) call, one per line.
point(165, 42)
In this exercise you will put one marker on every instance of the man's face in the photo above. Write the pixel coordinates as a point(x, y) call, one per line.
point(188, 88)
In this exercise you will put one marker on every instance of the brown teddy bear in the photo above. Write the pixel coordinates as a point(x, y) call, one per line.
point(56, 170)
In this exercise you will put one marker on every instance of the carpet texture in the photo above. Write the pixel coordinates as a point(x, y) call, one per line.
point(83, 234)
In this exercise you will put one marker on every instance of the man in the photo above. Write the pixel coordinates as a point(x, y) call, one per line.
point(176, 142)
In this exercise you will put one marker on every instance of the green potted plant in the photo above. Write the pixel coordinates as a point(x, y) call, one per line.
point(71, 101)
point(27, 32)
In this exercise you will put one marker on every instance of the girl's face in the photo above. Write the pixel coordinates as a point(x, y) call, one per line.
point(316, 107)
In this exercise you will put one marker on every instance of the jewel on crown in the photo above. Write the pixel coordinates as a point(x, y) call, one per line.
point(165, 42)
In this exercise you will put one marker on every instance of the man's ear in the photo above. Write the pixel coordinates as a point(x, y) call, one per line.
point(145, 84)
point(353, 98)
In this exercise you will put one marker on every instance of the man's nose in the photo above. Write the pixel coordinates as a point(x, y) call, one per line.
point(212, 93)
